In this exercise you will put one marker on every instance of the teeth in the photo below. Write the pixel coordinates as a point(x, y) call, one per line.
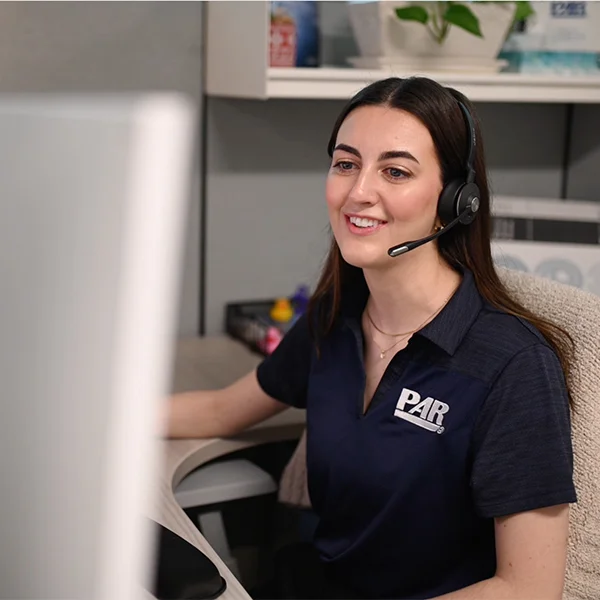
point(364, 222)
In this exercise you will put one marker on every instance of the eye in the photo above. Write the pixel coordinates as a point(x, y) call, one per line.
point(394, 173)
point(343, 166)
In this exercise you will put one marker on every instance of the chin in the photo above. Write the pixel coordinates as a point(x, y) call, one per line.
point(364, 256)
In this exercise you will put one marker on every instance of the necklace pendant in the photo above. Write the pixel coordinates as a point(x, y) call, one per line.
point(382, 355)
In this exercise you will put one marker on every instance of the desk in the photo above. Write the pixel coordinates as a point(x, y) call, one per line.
point(209, 363)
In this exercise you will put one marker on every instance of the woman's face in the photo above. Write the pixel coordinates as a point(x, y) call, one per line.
point(383, 185)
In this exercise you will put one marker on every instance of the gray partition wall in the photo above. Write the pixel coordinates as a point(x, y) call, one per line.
point(584, 153)
point(266, 220)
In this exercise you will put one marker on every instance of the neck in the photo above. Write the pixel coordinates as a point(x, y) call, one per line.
point(410, 290)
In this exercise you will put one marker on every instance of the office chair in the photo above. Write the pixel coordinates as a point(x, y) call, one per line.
point(578, 312)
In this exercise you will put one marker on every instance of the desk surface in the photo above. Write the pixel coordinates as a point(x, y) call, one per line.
point(209, 363)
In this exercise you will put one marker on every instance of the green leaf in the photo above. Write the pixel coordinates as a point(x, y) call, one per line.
point(413, 13)
point(524, 10)
point(462, 16)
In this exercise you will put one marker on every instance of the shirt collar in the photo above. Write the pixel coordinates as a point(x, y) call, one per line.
point(451, 325)
point(447, 330)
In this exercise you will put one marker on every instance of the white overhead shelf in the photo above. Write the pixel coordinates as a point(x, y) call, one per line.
point(237, 67)
point(340, 83)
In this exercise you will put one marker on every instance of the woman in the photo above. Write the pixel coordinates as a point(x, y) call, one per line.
point(438, 436)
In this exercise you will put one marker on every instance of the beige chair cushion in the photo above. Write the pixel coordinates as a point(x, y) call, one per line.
point(579, 313)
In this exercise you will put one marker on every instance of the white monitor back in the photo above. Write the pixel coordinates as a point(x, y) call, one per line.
point(92, 204)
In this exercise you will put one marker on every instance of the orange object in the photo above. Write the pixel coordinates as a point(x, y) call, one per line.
point(282, 311)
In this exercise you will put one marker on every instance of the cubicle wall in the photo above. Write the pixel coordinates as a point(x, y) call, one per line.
point(584, 154)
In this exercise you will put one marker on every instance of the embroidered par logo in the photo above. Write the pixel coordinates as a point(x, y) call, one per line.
point(428, 413)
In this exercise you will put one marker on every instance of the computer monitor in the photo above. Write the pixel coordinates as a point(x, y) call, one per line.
point(94, 192)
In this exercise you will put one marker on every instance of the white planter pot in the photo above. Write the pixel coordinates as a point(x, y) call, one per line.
point(379, 33)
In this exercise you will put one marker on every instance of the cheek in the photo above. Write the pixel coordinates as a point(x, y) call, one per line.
point(415, 201)
point(335, 193)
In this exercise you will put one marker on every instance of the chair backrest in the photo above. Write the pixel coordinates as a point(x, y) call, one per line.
point(578, 312)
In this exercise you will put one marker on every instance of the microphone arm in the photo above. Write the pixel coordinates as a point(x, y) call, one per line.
point(408, 246)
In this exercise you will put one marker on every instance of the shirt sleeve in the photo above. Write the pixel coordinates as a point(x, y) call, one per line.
point(283, 374)
point(522, 451)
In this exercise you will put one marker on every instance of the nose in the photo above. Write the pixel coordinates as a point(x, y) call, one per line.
point(364, 190)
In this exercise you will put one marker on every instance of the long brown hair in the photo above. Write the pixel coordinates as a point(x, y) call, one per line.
point(462, 247)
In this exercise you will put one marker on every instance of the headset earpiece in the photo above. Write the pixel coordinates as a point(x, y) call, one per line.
point(468, 200)
point(455, 199)
point(447, 202)
point(462, 195)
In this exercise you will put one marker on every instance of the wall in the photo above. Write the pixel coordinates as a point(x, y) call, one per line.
point(584, 159)
point(111, 47)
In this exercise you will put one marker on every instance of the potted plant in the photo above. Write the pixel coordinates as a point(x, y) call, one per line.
point(433, 35)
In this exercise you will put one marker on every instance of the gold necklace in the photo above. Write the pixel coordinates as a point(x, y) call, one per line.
point(414, 330)
point(383, 352)
point(393, 334)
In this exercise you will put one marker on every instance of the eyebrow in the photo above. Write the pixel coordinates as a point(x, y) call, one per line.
point(383, 156)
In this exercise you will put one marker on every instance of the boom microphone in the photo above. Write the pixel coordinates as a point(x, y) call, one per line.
point(408, 246)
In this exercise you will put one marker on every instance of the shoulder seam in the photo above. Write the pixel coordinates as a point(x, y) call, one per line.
point(522, 322)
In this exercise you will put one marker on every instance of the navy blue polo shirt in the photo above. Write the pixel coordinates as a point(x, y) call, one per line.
point(470, 422)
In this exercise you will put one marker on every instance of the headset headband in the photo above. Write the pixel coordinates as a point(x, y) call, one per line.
point(472, 142)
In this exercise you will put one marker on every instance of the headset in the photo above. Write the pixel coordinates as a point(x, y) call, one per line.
point(459, 201)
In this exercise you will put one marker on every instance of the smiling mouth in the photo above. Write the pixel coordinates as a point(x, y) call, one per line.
point(362, 225)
